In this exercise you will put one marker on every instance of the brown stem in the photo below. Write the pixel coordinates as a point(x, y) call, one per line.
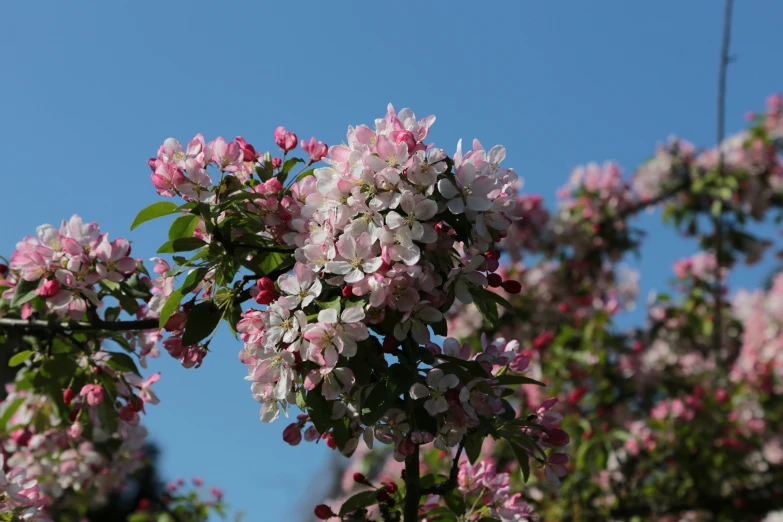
point(412, 486)
point(451, 483)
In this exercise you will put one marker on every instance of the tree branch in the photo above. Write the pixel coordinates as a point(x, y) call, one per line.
point(74, 326)
point(451, 483)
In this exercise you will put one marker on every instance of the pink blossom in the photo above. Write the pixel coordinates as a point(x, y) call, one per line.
point(316, 150)
point(93, 393)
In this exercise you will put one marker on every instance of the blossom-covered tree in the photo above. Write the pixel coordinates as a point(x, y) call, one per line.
point(336, 279)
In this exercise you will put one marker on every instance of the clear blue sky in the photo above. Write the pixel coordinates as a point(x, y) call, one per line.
point(90, 89)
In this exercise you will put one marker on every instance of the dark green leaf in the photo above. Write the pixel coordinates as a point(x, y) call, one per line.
point(497, 298)
point(455, 502)
point(431, 480)
point(440, 328)
point(183, 244)
point(473, 446)
point(19, 358)
point(156, 210)
point(508, 379)
point(108, 416)
point(522, 457)
point(486, 306)
point(359, 501)
point(183, 226)
point(201, 321)
point(319, 409)
point(25, 290)
point(122, 362)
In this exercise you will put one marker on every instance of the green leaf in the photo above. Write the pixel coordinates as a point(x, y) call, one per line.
point(303, 175)
point(431, 480)
point(473, 446)
point(507, 379)
point(440, 328)
point(341, 432)
point(156, 210)
point(111, 314)
point(334, 303)
point(273, 261)
point(122, 362)
point(441, 514)
point(359, 501)
point(170, 306)
point(183, 226)
point(19, 358)
point(287, 167)
point(202, 321)
point(107, 416)
point(319, 409)
point(377, 402)
point(301, 399)
point(499, 299)
point(523, 459)
point(9, 410)
point(191, 281)
point(182, 244)
point(486, 306)
point(25, 291)
point(455, 502)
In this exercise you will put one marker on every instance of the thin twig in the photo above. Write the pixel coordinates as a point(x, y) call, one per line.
point(451, 483)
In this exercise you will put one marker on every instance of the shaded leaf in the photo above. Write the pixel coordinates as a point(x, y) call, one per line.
point(201, 321)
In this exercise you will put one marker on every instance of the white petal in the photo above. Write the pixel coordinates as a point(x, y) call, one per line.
point(447, 189)
point(419, 391)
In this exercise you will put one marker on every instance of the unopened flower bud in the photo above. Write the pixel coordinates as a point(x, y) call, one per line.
point(292, 434)
point(49, 288)
point(512, 287)
point(323, 512)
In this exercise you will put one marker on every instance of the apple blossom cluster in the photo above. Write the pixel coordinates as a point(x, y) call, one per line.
point(51, 457)
point(374, 241)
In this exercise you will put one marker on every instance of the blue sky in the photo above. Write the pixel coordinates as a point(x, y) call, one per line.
point(90, 89)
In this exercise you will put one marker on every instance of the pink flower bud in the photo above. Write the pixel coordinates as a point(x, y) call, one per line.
point(68, 396)
point(277, 163)
point(248, 152)
point(215, 492)
point(285, 140)
point(75, 430)
point(49, 288)
point(323, 512)
point(197, 481)
point(292, 434)
point(407, 138)
point(511, 286)
point(266, 291)
point(316, 149)
point(347, 291)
